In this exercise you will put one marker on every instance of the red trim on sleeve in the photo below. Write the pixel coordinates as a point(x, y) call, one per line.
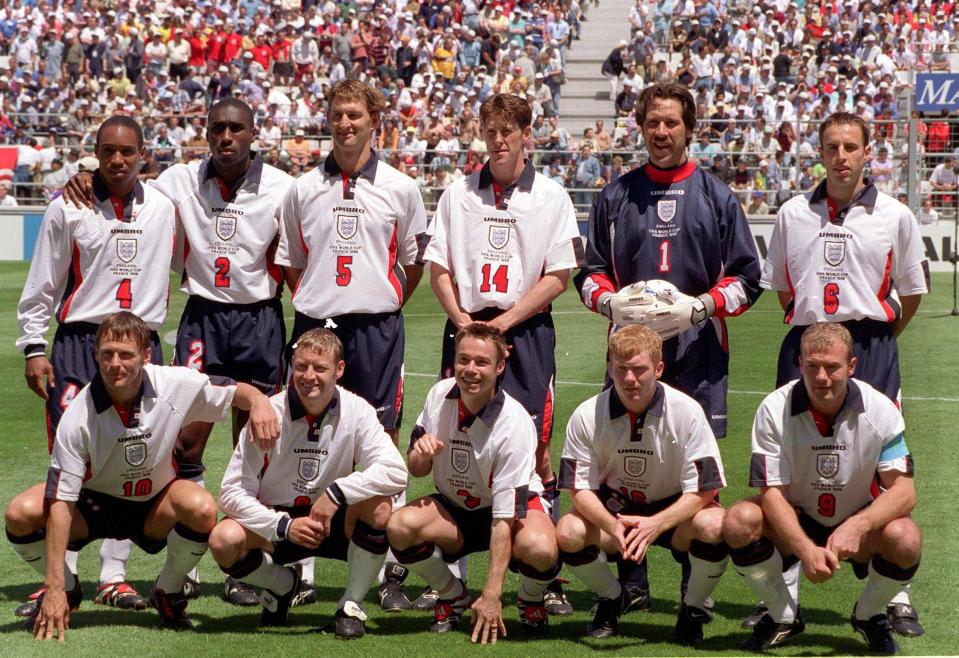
point(792, 294)
point(547, 418)
point(391, 263)
point(720, 298)
point(676, 175)
point(77, 281)
point(884, 289)
point(603, 284)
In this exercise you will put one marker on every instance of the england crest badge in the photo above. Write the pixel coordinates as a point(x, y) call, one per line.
point(634, 466)
point(308, 468)
point(666, 210)
point(126, 249)
point(225, 227)
point(827, 464)
point(834, 252)
point(346, 225)
point(135, 453)
point(499, 236)
point(460, 460)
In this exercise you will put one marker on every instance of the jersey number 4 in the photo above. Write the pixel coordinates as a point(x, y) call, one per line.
point(124, 295)
point(499, 280)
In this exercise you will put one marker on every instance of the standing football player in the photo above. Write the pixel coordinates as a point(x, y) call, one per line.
point(501, 246)
point(848, 253)
point(90, 263)
point(349, 248)
point(112, 473)
point(479, 444)
point(819, 445)
point(304, 496)
point(671, 221)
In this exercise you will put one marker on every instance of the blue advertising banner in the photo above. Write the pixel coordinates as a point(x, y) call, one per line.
point(936, 92)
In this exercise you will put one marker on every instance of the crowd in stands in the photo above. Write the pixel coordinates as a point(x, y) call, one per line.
point(763, 74)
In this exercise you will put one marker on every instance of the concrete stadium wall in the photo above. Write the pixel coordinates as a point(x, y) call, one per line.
point(19, 228)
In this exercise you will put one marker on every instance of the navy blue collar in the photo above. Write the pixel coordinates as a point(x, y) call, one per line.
point(102, 400)
point(253, 175)
point(298, 411)
point(654, 408)
point(867, 196)
point(332, 168)
point(525, 180)
point(490, 412)
point(102, 194)
point(799, 402)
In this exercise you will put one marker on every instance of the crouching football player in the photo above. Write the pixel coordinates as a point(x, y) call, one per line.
point(112, 473)
point(302, 497)
point(819, 444)
point(643, 468)
point(480, 445)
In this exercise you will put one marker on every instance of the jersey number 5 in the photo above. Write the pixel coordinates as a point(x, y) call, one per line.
point(499, 280)
point(343, 272)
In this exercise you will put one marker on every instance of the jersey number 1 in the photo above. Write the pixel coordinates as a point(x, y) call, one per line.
point(499, 280)
point(664, 256)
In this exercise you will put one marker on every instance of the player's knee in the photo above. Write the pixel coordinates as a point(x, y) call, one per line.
point(24, 514)
point(902, 542)
point(708, 524)
point(226, 542)
point(570, 533)
point(743, 524)
point(200, 511)
point(401, 528)
point(536, 549)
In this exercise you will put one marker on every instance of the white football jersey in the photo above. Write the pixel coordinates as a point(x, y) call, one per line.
point(351, 236)
point(497, 253)
point(851, 267)
point(487, 459)
point(92, 262)
point(133, 460)
point(668, 451)
point(312, 455)
point(226, 238)
point(829, 477)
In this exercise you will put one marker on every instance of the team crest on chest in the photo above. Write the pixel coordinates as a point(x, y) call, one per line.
point(135, 453)
point(666, 209)
point(827, 464)
point(499, 236)
point(460, 460)
point(834, 252)
point(346, 225)
point(126, 249)
point(308, 468)
point(634, 466)
point(225, 226)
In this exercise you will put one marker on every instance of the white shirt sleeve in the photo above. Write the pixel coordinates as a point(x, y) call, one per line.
point(384, 472)
point(240, 486)
point(579, 467)
point(702, 464)
point(70, 456)
point(774, 269)
point(910, 268)
point(290, 251)
point(411, 225)
point(768, 467)
point(512, 470)
point(562, 254)
point(211, 403)
point(47, 278)
point(437, 250)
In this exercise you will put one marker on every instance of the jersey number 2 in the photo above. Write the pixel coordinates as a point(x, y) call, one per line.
point(222, 278)
point(499, 279)
point(830, 298)
point(124, 294)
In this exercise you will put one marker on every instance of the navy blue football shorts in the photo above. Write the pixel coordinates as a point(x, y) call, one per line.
point(74, 362)
point(111, 517)
point(241, 341)
point(875, 349)
point(475, 525)
point(335, 545)
point(373, 345)
point(530, 367)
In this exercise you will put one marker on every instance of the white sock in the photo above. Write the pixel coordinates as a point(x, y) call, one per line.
point(879, 590)
point(306, 566)
point(399, 500)
point(460, 568)
point(72, 558)
point(437, 575)
point(792, 578)
point(902, 596)
point(274, 577)
point(33, 553)
point(597, 576)
point(765, 579)
point(363, 569)
point(704, 575)
point(184, 548)
point(532, 589)
point(114, 554)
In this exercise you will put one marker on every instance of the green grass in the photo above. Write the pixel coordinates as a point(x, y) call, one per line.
point(931, 393)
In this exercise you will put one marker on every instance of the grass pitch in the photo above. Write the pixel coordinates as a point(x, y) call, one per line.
point(930, 403)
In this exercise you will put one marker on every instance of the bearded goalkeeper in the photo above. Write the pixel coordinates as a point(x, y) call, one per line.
point(673, 222)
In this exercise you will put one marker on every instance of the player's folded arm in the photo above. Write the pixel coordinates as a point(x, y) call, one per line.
point(383, 474)
point(239, 491)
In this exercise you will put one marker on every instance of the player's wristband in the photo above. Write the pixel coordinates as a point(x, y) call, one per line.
point(37, 349)
point(283, 525)
point(602, 305)
point(336, 494)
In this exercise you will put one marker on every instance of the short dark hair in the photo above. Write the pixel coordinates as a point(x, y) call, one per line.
point(483, 331)
point(845, 119)
point(124, 121)
point(124, 325)
point(232, 102)
point(507, 108)
point(668, 91)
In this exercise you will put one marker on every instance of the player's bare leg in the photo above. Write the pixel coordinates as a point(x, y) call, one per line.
point(391, 592)
point(583, 548)
point(536, 553)
point(184, 514)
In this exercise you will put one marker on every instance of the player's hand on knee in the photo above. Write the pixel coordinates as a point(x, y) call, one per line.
point(304, 531)
point(38, 371)
point(54, 616)
point(264, 425)
point(820, 565)
point(428, 445)
point(488, 622)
